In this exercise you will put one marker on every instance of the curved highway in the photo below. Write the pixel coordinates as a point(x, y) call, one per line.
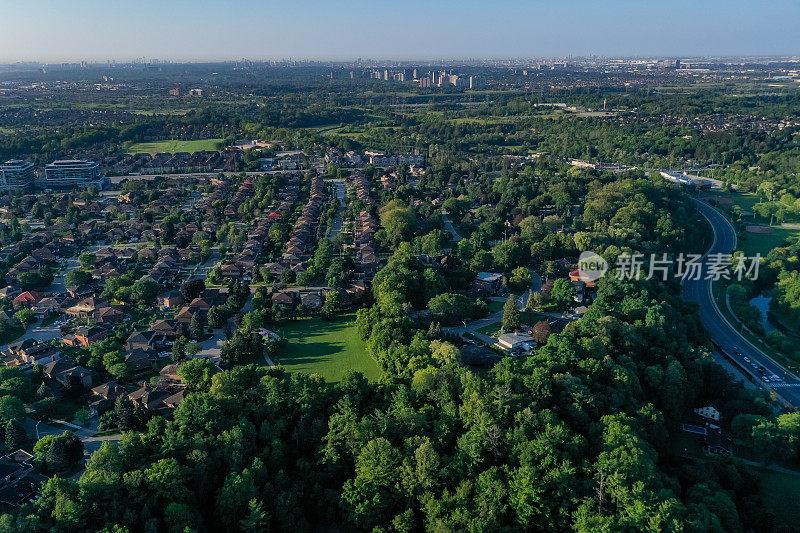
point(721, 331)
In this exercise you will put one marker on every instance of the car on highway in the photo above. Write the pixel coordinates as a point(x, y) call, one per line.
point(765, 379)
point(746, 359)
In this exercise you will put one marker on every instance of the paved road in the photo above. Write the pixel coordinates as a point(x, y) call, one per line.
point(336, 225)
point(448, 225)
point(38, 333)
point(718, 327)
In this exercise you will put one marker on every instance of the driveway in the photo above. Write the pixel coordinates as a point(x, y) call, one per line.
point(336, 225)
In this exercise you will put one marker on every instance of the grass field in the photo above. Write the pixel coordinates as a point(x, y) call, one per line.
point(173, 147)
point(753, 243)
point(781, 493)
point(329, 349)
point(762, 243)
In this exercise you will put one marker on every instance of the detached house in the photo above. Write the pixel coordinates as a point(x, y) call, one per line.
point(28, 299)
point(284, 300)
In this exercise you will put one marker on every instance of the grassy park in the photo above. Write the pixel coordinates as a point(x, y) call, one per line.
point(781, 493)
point(173, 147)
point(329, 349)
point(753, 243)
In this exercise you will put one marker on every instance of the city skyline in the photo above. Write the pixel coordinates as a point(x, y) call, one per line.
point(54, 31)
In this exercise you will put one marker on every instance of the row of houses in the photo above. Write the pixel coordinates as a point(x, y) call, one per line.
point(303, 234)
point(166, 163)
point(379, 158)
point(244, 192)
point(361, 189)
point(365, 225)
point(241, 267)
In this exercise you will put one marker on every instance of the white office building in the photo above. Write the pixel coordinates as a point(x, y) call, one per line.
point(71, 172)
point(16, 174)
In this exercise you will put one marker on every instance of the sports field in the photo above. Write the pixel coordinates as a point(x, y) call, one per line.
point(329, 349)
point(173, 147)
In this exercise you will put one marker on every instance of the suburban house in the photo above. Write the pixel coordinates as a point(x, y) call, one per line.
point(81, 291)
point(168, 329)
point(46, 306)
point(170, 299)
point(103, 396)
point(139, 360)
point(488, 283)
point(67, 374)
point(140, 340)
point(86, 308)
point(718, 443)
point(173, 401)
point(284, 300)
point(311, 300)
point(28, 299)
point(109, 315)
point(516, 342)
point(709, 412)
point(31, 351)
point(86, 336)
point(19, 484)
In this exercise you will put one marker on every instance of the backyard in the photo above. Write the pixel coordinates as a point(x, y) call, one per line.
point(329, 349)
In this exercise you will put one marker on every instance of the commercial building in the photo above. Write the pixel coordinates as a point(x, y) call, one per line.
point(71, 172)
point(16, 174)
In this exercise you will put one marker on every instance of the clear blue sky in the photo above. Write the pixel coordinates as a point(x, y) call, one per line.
point(54, 30)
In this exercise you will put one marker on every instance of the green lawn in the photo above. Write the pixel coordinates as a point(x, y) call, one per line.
point(11, 334)
point(173, 147)
point(491, 329)
point(495, 306)
point(781, 492)
point(329, 349)
point(753, 243)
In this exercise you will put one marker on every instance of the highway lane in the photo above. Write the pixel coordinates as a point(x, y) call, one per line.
point(718, 327)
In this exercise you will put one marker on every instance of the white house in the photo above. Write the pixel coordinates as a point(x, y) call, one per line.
point(514, 342)
point(708, 412)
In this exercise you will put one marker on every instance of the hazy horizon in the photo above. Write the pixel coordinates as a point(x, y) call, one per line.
point(58, 31)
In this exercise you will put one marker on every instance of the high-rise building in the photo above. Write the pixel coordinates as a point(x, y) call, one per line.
point(477, 82)
point(71, 172)
point(16, 174)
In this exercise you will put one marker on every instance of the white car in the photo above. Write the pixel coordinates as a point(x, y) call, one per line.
point(765, 379)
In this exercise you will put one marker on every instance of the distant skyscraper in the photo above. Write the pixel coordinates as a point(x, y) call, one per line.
point(477, 82)
point(16, 174)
